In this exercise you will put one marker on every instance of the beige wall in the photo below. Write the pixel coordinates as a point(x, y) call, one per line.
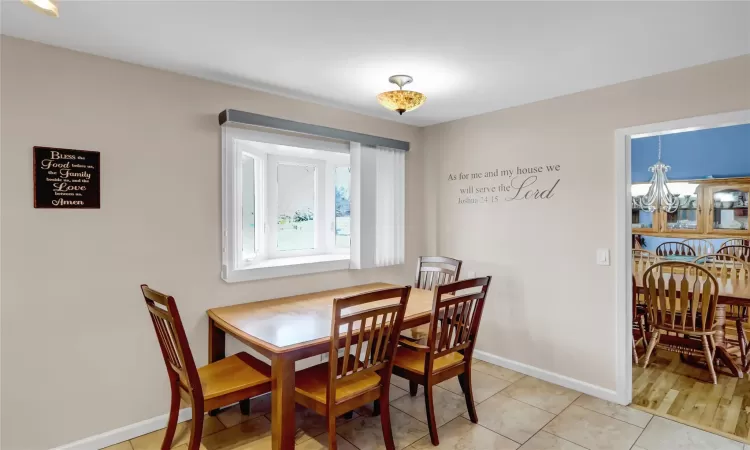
point(550, 306)
point(79, 354)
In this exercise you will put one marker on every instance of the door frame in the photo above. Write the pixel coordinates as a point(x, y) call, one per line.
point(622, 260)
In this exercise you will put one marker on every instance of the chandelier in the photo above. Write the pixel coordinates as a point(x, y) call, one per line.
point(48, 7)
point(658, 197)
point(401, 101)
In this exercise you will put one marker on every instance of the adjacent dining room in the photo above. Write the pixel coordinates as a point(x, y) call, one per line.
point(372, 225)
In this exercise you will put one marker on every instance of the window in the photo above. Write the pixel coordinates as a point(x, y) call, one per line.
point(287, 203)
point(296, 205)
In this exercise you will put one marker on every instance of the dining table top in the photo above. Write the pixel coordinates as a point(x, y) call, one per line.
point(289, 323)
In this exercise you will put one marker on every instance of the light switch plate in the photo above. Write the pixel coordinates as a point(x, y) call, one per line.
point(602, 256)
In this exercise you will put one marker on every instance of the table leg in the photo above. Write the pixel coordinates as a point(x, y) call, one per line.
point(721, 352)
point(216, 348)
point(283, 424)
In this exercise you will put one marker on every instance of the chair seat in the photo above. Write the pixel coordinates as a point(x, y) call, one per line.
point(414, 361)
point(416, 334)
point(232, 374)
point(312, 382)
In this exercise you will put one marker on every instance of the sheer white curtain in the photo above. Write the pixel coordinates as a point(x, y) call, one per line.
point(390, 190)
point(377, 206)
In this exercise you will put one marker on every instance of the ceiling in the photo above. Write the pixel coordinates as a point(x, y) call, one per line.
point(468, 58)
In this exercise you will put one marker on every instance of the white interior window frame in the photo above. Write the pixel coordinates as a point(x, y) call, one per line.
point(269, 263)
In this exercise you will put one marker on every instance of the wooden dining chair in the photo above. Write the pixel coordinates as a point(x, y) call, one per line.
point(681, 298)
point(436, 270)
point(432, 271)
point(731, 269)
point(344, 383)
point(740, 251)
point(233, 379)
point(643, 259)
point(701, 246)
point(675, 249)
point(449, 346)
point(736, 242)
point(639, 324)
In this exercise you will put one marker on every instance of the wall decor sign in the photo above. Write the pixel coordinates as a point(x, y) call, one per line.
point(508, 185)
point(65, 178)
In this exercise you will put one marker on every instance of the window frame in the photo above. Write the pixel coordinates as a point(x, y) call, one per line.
point(238, 144)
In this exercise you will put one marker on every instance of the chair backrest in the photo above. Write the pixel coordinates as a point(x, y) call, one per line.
point(172, 340)
point(643, 259)
point(455, 319)
point(681, 296)
point(675, 249)
point(724, 266)
point(735, 242)
point(384, 320)
point(740, 251)
point(701, 246)
point(436, 270)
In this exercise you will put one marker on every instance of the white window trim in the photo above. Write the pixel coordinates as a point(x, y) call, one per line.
point(234, 267)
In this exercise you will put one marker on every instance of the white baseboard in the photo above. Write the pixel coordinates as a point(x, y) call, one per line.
point(125, 433)
point(556, 378)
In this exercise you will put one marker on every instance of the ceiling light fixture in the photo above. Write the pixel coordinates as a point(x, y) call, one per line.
point(401, 101)
point(48, 7)
point(659, 197)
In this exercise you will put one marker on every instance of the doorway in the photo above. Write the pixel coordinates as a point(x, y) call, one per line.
point(682, 224)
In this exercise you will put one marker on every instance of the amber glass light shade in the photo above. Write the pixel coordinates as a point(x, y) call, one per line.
point(48, 7)
point(401, 101)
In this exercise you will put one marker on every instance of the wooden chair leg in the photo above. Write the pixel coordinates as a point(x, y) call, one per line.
point(468, 394)
point(332, 444)
point(643, 332)
point(651, 345)
point(461, 382)
point(196, 428)
point(635, 354)
point(245, 407)
point(742, 338)
point(709, 357)
point(385, 420)
point(174, 412)
point(430, 407)
point(413, 386)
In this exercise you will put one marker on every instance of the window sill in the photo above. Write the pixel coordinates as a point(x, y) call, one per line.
point(285, 267)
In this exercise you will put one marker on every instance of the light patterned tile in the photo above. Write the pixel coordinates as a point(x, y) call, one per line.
point(496, 371)
point(318, 443)
point(259, 406)
point(311, 424)
point(460, 434)
point(393, 393)
point(152, 441)
point(635, 447)
point(239, 436)
point(403, 383)
point(546, 441)
point(663, 434)
point(484, 386)
point(624, 413)
point(396, 392)
point(592, 430)
point(547, 396)
point(366, 433)
point(448, 406)
point(511, 418)
point(121, 446)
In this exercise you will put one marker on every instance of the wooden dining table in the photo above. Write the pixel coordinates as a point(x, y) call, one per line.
point(731, 292)
point(288, 329)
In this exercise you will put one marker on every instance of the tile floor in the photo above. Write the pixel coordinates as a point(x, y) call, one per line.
point(515, 412)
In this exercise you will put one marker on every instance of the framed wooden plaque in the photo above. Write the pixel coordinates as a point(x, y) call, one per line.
point(66, 178)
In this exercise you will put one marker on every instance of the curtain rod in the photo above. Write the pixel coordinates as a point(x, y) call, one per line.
point(247, 118)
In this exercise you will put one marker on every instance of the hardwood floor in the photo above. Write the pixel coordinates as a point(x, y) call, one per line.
point(683, 392)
